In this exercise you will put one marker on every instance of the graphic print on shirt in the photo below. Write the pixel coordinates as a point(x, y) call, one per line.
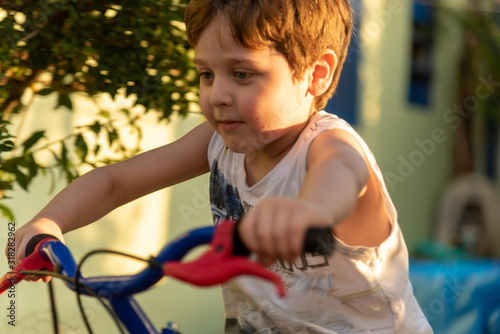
point(227, 204)
point(224, 198)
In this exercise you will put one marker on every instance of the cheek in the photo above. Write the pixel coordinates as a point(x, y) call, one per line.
point(205, 103)
point(251, 105)
point(276, 111)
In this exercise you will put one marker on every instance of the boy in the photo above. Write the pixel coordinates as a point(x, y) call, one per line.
point(266, 69)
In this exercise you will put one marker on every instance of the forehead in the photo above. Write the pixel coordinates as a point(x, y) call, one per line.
point(218, 31)
point(218, 38)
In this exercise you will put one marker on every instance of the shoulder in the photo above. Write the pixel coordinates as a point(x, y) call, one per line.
point(327, 134)
point(333, 133)
point(340, 142)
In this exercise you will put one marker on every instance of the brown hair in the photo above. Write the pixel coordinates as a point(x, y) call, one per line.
point(300, 29)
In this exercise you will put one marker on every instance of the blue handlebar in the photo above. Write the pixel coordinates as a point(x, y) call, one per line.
point(124, 286)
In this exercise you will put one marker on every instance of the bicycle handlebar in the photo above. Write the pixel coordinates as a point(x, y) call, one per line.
point(226, 258)
point(30, 247)
point(316, 240)
point(52, 252)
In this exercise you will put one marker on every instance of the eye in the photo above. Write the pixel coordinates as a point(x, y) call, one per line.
point(206, 75)
point(241, 75)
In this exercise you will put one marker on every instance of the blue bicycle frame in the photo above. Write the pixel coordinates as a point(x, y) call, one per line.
point(119, 290)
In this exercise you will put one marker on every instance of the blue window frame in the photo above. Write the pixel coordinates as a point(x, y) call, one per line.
point(345, 102)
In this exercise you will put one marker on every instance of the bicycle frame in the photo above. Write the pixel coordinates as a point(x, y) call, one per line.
point(119, 290)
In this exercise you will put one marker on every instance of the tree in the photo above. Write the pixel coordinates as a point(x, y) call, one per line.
point(478, 93)
point(129, 48)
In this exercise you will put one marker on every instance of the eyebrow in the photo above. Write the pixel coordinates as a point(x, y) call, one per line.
point(233, 60)
point(198, 61)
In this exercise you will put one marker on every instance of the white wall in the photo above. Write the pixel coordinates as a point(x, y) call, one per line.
point(395, 130)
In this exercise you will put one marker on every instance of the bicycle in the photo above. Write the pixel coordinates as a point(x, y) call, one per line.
point(225, 258)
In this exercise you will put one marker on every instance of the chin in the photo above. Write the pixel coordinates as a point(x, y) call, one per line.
point(240, 148)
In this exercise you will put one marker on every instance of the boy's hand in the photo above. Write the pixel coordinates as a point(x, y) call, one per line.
point(26, 232)
point(275, 228)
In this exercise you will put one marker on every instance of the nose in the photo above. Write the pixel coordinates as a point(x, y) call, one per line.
point(221, 94)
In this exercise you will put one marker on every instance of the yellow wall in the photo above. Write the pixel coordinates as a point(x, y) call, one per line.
point(413, 144)
point(141, 228)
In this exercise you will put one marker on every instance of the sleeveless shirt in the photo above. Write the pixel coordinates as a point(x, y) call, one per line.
point(355, 290)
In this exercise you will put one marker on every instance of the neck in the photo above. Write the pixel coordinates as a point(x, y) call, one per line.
point(260, 162)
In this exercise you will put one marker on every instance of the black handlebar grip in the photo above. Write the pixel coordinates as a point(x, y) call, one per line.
point(239, 247)
point(317, 241)
point(35, 240)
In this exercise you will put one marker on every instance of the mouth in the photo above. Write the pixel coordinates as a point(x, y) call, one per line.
point(227, 125)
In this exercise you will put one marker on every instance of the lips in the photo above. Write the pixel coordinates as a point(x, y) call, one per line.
point(227, 125)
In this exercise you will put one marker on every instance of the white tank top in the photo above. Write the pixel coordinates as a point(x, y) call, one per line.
point(355, 290)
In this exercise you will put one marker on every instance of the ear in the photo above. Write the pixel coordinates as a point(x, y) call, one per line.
point(322, 72)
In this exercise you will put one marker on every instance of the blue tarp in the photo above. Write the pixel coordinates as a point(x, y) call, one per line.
point(458, 296)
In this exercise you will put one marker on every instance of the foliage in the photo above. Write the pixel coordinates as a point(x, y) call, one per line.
point(129, 48)
point(479, 28)
point(482, 49)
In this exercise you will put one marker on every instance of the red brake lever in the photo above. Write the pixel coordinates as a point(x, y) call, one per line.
point(32, 262)
point(217, 264)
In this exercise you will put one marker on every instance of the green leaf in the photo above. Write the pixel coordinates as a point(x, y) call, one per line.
point(35, 137)
point(64, 101)
point(104, 113)
point(97, 149)
point(4, 185)
point(21, 179)
point(125, 111)
point(96, 127)
point(7, 146)
point(4, 134)
point(32, 166)
point(7, 212)
point(112, 136)
point(64, 161)
point(81, 147)
point(90, 50)
point(45, 91)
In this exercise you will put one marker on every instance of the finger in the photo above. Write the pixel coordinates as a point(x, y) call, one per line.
point(21, 250)
point(33, 278)
point(266, 260)
point(296, 240)
point(296, 229)
point(281, 236)
point(247, 231)
point(265, 232)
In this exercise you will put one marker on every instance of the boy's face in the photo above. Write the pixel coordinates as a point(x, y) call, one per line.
point(249, 96)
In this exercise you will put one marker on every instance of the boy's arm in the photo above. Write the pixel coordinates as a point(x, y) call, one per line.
point(101, 190)
point(337, 174)
point(338, 179)
point(353, 196)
